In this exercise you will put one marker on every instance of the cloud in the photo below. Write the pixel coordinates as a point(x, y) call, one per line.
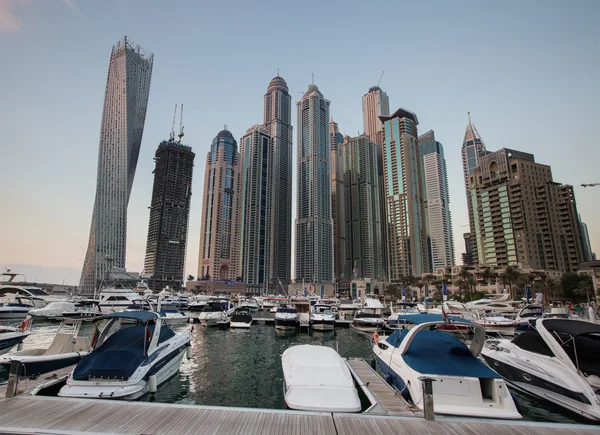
point(9, 21)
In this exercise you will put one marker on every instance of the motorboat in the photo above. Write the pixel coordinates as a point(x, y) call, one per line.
point(11, 336)
point(8, 292)
point(250, 304)
point(527, 317)
point(322, 318)
point(173, 315)
point(367, 320)
point(52, 311)
point(198, 303)
point(557, 363)
point(86, 310)
point(499, 304)
point(20, 308)
point(347, 308)
point(286, 318)
point(462, 384)
point(316, 378)
point(67, 348)
point(218, 309)
point(268, 304)
point(114, 299)
point(402, 309)
point(241, 319)
point(494, 323)
point(128, 361)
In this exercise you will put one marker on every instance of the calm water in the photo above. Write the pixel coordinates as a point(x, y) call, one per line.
point(243, 367)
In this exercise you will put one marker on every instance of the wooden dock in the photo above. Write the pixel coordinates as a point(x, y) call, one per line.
point(44, 415)
point(384, 399)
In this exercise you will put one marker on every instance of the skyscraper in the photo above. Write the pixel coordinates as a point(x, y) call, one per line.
point(434, 182)
point(255, 215)
point(467, 256)
point(472, 149)
point(314, 225)
point(340, 271)
point(376, 103)
point(123, 116)
point(278, 122)
point(406, 233)
point(364, 245)
point(219, 250)
point(585, 240)
point(169, 215)
point(521, 216)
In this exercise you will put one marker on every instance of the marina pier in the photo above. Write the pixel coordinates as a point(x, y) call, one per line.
point(42, 415)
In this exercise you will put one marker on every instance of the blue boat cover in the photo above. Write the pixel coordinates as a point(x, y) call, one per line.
point(417, 319)
point(141, 316)
point(440, 353)
point(119, 356)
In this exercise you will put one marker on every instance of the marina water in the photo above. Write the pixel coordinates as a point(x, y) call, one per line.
point(242, 368)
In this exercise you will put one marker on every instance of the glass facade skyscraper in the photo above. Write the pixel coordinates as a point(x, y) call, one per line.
point(314, 225)
point(123, 117)
point(406, 233)
point(340, 271)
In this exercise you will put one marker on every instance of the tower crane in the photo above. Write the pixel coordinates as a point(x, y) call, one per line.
point(380, 77)
point(590, 185)
point(180, 135)
point(172, 135)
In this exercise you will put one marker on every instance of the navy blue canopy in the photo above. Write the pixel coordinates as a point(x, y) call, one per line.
point(140, 316)
point(120, 355)
point(418, 319)
point(440, 353)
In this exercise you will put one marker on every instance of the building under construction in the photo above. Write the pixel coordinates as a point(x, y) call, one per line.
point(164, 264)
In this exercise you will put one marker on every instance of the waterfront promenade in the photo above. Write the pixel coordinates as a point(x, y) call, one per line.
point(43, 415)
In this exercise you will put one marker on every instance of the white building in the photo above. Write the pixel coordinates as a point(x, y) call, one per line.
point(123, 117)
point(437, 202)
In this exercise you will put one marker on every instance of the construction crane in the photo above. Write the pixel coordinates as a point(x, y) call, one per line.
point(380, 77)
point(590, 185)
point(180, 135)
point(172, 135)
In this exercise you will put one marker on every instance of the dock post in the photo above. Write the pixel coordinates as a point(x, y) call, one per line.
point(427, 385)
point(13, 379)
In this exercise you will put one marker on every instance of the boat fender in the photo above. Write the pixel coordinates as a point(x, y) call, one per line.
point(152, 387)
point(25, 324)
point(376, 337)
point(389, 379)
point(517, 403)
point(188, 352)
point(20, 346)
point(373, 364)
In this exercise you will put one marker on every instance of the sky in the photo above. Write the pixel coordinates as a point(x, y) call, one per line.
point(526, 70)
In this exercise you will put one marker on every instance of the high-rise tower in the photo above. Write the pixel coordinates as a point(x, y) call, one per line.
point(406, 233)
point(434, 182)
point(169, 214)
point(375, 103)
point(219, 250)
point(340, 271)
point(256, 219)
point(123, 116)
point(314, 225)
point(278, 122)
point(472, 150)
point(364, 247)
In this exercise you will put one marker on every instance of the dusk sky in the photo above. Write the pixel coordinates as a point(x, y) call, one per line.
point(528, 71)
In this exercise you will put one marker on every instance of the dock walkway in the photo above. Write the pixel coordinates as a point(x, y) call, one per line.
point(385, 400)
point(43, 415)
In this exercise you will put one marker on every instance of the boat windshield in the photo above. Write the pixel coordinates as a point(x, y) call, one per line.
point(531, 312)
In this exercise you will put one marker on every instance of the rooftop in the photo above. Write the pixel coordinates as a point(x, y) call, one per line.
point(401, 113)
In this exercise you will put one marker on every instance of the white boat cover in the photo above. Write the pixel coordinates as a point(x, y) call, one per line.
point(317, 379)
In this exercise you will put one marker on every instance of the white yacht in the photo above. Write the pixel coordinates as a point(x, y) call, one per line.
point(494, 323)
point(249, 304)
point(401, 309)
point(286, 318)
point(114, 299)
point(322, 318)
point(217, 310)
point(67, 348)
point(463, 385)
point(86, 309)
point(20, 307)
point(316, 378)
point(347, 308)
point(52, 311)
point(127, 362)
point(198, 303)
point(369, 317)
point(558, 363)
point(498, 304)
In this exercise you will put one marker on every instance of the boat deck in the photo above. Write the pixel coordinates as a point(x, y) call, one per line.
point(26, 385)
point(385, 400)
point(37, 415)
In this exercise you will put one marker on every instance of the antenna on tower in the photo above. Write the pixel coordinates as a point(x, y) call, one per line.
point(469, 115)
point(277, 72)
point(172, 135)
point(313, 78)
point(380, 77)
point(180, 135)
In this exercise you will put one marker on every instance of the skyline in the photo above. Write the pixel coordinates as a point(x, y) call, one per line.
point(529, 75)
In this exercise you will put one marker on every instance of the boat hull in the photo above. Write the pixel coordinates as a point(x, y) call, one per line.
point(13, 314)
point(322, 325)
point(37, 365)
point(7, 343)
point(287, 324)
point(240, 325)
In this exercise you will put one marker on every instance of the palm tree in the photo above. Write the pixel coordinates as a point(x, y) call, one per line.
point(420, 284)
point(585, 287)
point(510, 276)
point(487, 275)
